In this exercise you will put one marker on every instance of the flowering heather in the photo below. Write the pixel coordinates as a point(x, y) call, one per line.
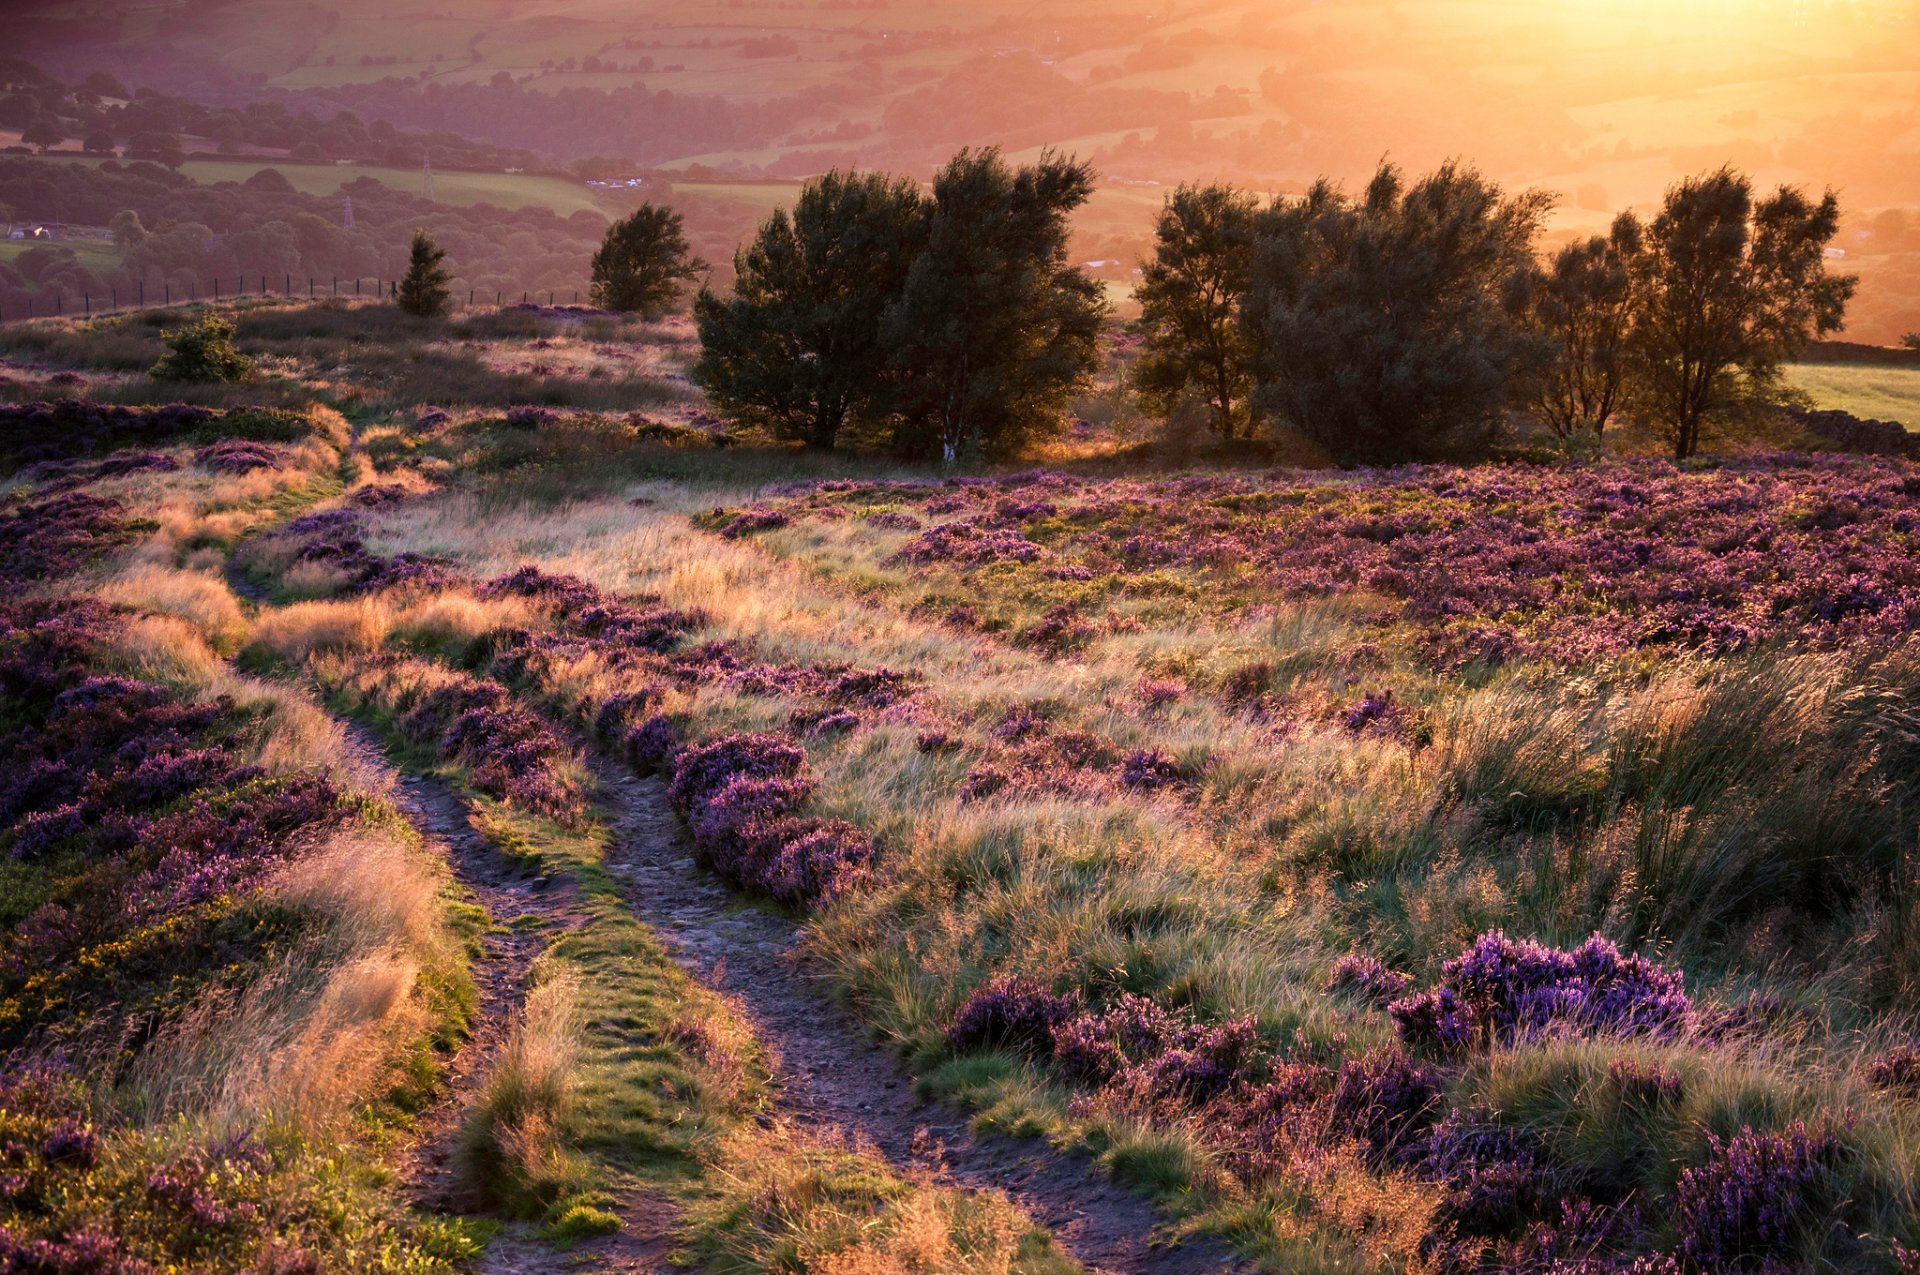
point(969, 544)
point(1897, 1068)
point(742, 795)
point(1147, 769)
point(148, 838)
point(56, 476)
point(1502, 988)
point(67, 427)
point(747, 521)
point(1645, 1082)
point(509, 752)
point(1491, 562)
point(1758, 1193)
point(1013, 1011)
point(57, 536)
point(335, 537)
point(239, 456)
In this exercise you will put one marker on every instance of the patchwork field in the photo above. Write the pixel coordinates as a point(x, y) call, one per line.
point(792, 862)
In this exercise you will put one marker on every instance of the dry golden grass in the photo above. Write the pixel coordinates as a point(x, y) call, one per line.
point(201, 599)
point(296, 633)
point(309, 1039)
point(512, 1153)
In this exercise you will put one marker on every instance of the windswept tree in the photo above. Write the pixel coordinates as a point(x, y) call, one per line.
point(995, 331)
point(1729, 289)
point(1190, 296)
point(1388, 326)
point(643, 262)
point(797, 347)
point(423, 289)
point(1581, 307)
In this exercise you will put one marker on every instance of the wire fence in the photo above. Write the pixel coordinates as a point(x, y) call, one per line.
point(116, 300)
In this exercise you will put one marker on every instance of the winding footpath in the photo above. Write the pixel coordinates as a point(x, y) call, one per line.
point(833, 1079)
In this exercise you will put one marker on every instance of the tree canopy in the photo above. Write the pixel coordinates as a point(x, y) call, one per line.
point(1388, 325)
point(643, 262)
point(797, 347)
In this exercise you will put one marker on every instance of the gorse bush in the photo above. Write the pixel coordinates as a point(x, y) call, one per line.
point(203, 351)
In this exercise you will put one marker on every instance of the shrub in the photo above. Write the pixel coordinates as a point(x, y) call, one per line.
point(203, 351)
point(1502, 988)
point(1009, 1010)
point(1756, 1197)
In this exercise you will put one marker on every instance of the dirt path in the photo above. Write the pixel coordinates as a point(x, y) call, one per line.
point(833, 1078)
point(542, 910)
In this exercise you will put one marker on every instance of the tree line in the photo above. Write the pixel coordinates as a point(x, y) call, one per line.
point(1412, 320)
point(1415, 319)
point(171, 230)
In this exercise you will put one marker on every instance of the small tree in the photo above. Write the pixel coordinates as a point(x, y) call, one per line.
point(642, 263)
point(994, 331)
point(1582, 309)
point(1388, 325)
point(1910, 340)
point(44, 132)
point(1728, 290)
point(128, 230)
point(423, 290)
point(797, 347)
point(98, 142)
point(1190, 296)
point(203, 351)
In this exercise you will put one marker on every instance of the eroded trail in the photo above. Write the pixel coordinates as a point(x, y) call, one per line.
point(832, 1078)
point(528, 912)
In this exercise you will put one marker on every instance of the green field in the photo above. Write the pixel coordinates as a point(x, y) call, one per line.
point(91, 252)
point(1878, 393)
point(507, 190)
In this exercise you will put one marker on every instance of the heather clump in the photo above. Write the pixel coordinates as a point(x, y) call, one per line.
point(333, 541)
point(742, 795)
point(239, 456)
point(1501, 989)
point(146, 835)
point(56, 476)
point(58, 536)
point(509, 752)
point(62, 428)
point(969, 544)
point(1758, 1198)
point(1010, 1011)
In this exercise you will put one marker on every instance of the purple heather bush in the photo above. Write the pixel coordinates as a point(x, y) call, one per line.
point(239, 456)
point(1502, 989)
point(969, 544)
point(52, 431)
point(57, 536)
point(335, 537)
point(1896, 1068)
point(509, 752)
point(1010, 1011)
point(1758, 1194)
point(745, 522)
point(55, 476)
point(742, 796)
point(1648, 1082)
point(151, 840)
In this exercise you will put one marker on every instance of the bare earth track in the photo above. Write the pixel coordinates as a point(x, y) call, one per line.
point(833, 1079)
